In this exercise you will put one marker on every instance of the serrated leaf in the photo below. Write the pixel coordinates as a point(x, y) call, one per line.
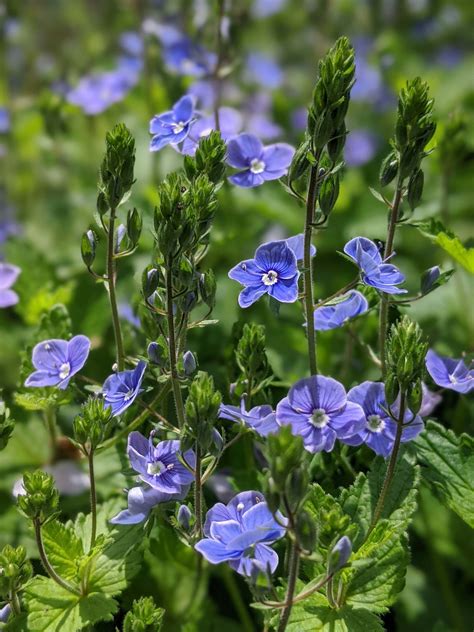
point(448, 241)
point(448, 468)
point(42, 401)
point(51, 608)
point(63, 547)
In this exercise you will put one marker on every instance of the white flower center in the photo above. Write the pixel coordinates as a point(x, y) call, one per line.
point(64, 370)
point(319, 419)
point(375, 423)
point(128, 395)
point(257, 166)
point(155, 468)
point(270, 277)
point(453, 379)
point(178, 127)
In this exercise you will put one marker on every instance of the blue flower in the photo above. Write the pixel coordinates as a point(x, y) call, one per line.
point(450, 372)
point(273, 271)
point(160, 466)
point(296, 244)
point(5, 613)
point(4, 120)
point(257, 163)
point(379, 429)
point(317, 409)
point(339, 555)
point(240, 533)
point(230, 123)
point(8, 275)
point(360, 148)
point(141, 501)
point(56, 361)
point(172, 127)
point(375, 272)
point(121, 389)
point(180, 53)
point(264, 70)
point(262, 419)
point(336, 315)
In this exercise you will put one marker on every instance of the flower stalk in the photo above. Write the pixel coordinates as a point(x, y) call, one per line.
point(46, 563)
point(111, 280)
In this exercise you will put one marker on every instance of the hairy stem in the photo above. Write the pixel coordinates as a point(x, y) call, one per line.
point(51, 426)
point(178, 399)
point(294, 564)
point(198, 492)
point(14, 602)
point(111, 278)
point(93, 496)
point(237, 601)
point(46, 564)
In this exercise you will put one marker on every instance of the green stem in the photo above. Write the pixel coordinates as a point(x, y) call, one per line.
point(391, 465)
point(178, 399)
point(14, 603)
point(93, 496)
point(198, 493)
point(308, 269)
point(46, 564)
point(384, 302)
point(50, 420)
point(238, 602)
point(111, 278)
point(294, 564)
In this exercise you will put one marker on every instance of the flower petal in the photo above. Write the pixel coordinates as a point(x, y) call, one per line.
point(242, 150)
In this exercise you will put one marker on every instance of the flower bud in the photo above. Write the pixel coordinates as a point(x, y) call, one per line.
point(339, 555)
point(305, 530)
point(406, 351)
point(40, 500)
point(6, 425)
point(415, 188)
point(429, 279)
point(202, 406)
point(150, 281)
point(285, 452)
point(15, 569)
point(134, 226)
point(184, 517)
point(158, 353)
point(297, 486)
point(415, 397)
point(88, 248)
point(328, 193)
point(389, 169)
point(300, 163)
point(207, 287)
point(144, 616)
point(92, 424)
point(189, 363)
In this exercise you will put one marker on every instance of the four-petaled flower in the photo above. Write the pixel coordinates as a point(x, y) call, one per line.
point(160, 466)
point(380, 429)
point(121, 389)
point(172, 127)
point(257, 163)
point(141, 501)
point(8, 275)
point(336, 315)
point(317, 409)
point(262, 419)
point(56, 361)
point(375, 272)
point(240, 533)
point(273, 271)
point(450, 372)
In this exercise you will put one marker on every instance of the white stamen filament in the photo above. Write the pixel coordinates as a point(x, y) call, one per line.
point(257, 166)
point(270, 277)
point(64, 370)
point(318, 418)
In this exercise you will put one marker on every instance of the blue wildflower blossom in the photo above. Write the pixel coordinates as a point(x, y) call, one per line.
point(336, 315)
point(4, 120)
point(121, 389)
point(256, 162)
point(8, 276)
point(262, 419)
point(317, 409)
point(340, 554)
point(264, 70)
point(360, 148)
point(375, 272)
point(230, 123)
point(379, 430)
point(450, 372)
point(5, 613)
point(56, 361)
point(180, 53)
point(141, 500)
point(172, 127)
point(240, 533)
point(160, 466)
point(273, 271)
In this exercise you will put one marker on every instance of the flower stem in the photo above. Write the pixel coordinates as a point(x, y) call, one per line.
point(308, 271)
point(50, 420)
point(14, 603)
point(46, 564)
point(391, 465)
point(339, 292)
point(294, 564)
point(236, 597)
point(93, 496)
point(384, 302)
point(178, 399)
point(198, 492)
point(111, 278)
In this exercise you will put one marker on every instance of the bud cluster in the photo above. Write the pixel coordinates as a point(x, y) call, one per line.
point(40, 500)
point(143, 617)
point(93, 423)
point(201, 408)
point(15, 569)
point(252, 359)
point(6, 425)
point(208, 159)
point(116, 171)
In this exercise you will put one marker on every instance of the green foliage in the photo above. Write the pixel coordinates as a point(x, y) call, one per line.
point(6, 425)
point(41, 499)
point(143, 617)
point(116, 171)
point(436, 232)
point(201, 407)
point(448, 468)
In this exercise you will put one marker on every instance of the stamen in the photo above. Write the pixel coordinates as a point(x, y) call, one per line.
point(257, 166)
point(270, 277)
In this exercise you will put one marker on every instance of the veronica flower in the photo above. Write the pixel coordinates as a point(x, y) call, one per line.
point(374, 271)
point(379, 430)
point(360, 148)
point(258, 117)
point(172, 127)
point(273, 271)
point(141, 501)
point(4, 120)
point(317, 409)
point(159, 466)
point(450, 373)
point(240, 533)
point(56, 361)
point(230, 123)
point(264, 70)
point(121, 389)
point(336, 315)
point(262, 419)
point(8, 275)
point(257, 163)
point(429, 401)
point(184, 56)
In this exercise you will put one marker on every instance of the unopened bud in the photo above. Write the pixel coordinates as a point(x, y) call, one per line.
point(339, 555)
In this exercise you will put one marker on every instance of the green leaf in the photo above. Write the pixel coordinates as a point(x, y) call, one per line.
point(448, 468)
point(63, 547)
point(51, 608)
point(448, 241)
point(43, 399)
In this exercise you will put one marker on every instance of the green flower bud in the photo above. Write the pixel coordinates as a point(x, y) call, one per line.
point(88, 247)
point(406, 351)
point(272, 495)
point(7, 425)
point(134, 226)
point(328, 193)
point(300, 163)
point(40, 500)
point(144, 616)
point(389, 169)
point(296, 487)
point(102, 204)
point(305, 530)
point(285, 452)
point(150, 280)
point(392, 389)
point(15, 569)
point(337, 142)
point(116, 171)
point(201, 408)
point(207, 288)
point(92, 424)
point(209, 159)
point(415, 188)
point(415, 397)
point(339, 555)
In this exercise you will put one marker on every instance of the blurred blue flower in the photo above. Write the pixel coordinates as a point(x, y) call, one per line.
point(264, 70)
point(379, 429)
point(429, 401)
point(382, 276)
point(230, 124)
point(273, 271)
point(4, 120)
point(132, 43)
point(160, 466)
point(180, 53)
point(260, 418)
point(240, 533)
point(172, 127)
point(258, 117)
point(5, 613)
point(126, 312)
point(450, 372)
point(265, 8)
point(258, 163)
point(121, 389)
point(141, 501)
point(299, 119)
point(360, 148)
point(336, 315)
point(56, 361)
point(317, 409)
point(8, 276)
